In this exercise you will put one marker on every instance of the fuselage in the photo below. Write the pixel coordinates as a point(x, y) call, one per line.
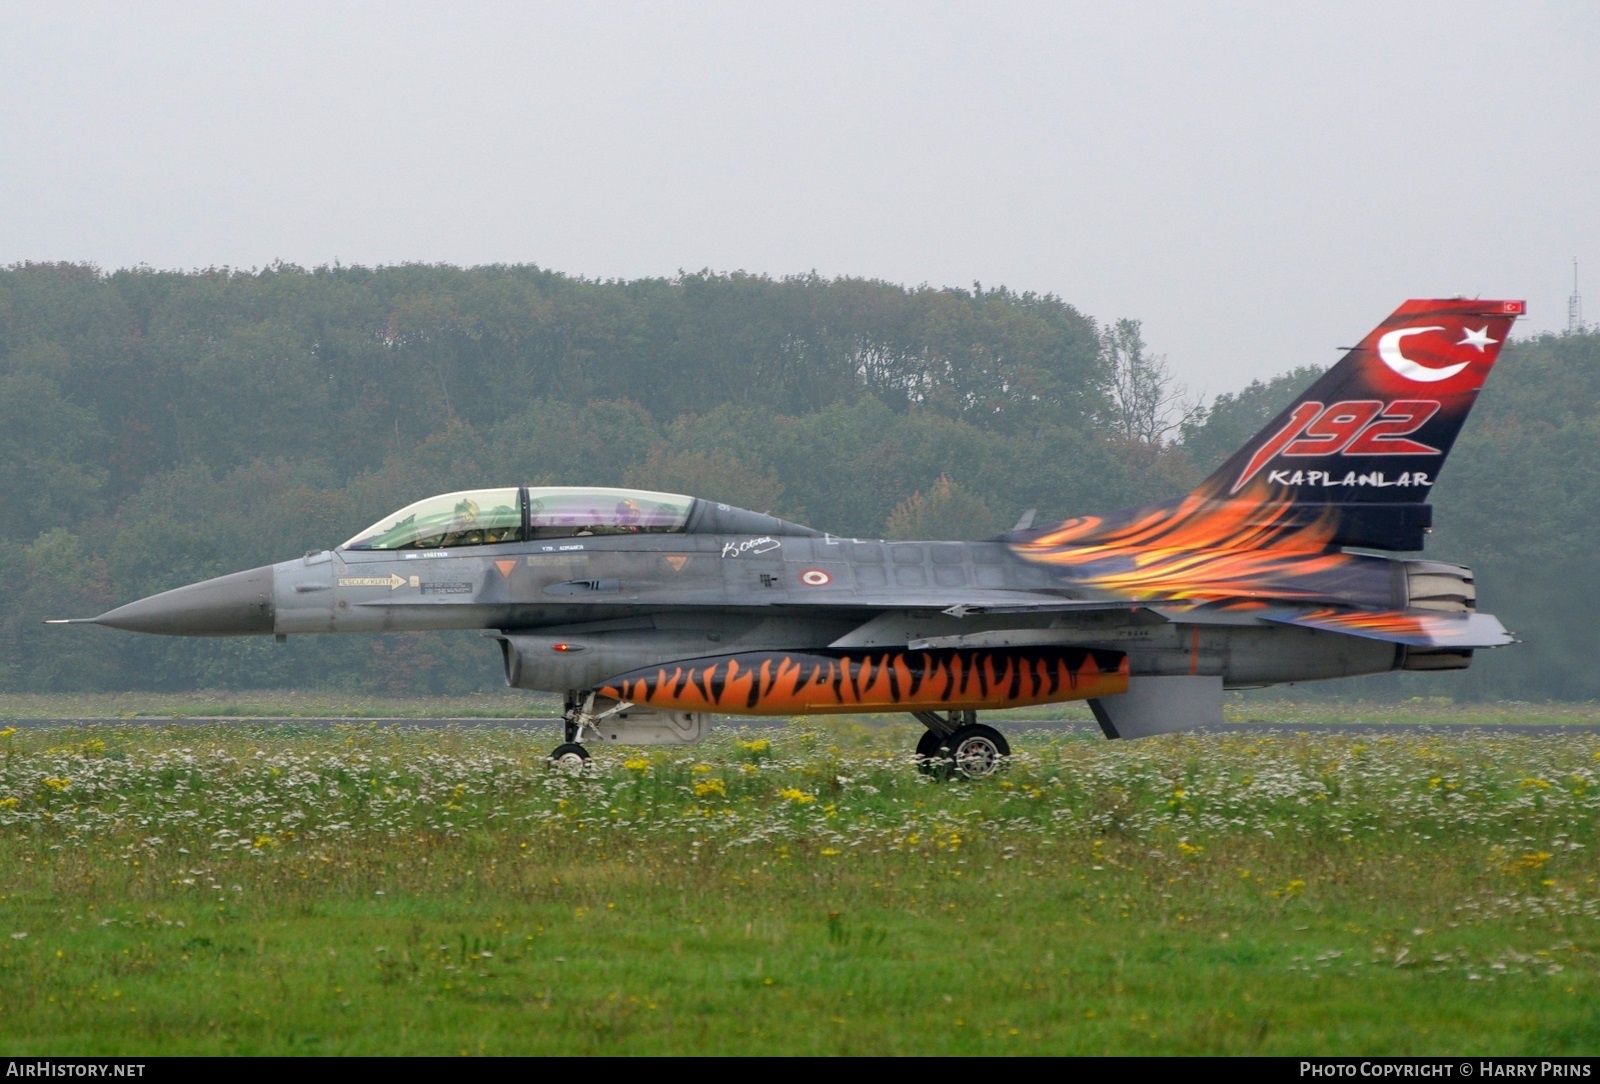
point(573, 612)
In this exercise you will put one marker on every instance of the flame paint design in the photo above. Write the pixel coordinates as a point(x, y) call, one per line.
point(1398, 622)
point(1203, 550)
point(1414, 628)
point(784, 683)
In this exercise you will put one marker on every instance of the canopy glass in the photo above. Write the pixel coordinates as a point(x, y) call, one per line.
point(479, 517)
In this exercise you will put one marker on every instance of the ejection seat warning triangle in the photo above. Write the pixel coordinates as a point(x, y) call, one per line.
point(505, 567)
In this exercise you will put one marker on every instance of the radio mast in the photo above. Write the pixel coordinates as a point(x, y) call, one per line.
point(1574, 303)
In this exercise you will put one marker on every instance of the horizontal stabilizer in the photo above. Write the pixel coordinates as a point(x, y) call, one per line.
point(1414, 628)
point(1052, 606)
point(1160, 705)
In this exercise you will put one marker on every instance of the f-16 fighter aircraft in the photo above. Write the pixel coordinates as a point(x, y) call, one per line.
point(652, 611)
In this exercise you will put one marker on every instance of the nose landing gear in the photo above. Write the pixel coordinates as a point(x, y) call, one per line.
point(570, 756)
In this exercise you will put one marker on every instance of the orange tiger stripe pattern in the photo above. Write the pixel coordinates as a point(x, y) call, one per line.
point(787, 683)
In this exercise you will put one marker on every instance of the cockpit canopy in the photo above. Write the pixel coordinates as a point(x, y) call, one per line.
point(478, 517)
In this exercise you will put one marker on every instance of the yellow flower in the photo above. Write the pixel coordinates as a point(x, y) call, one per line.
point(58, 784)
point(755, 745)
point(700, 769)
point(708, 787)
point(1530, 861)
point(636, 764)
point(8, 732)
point(797, 796)
point(9, 803)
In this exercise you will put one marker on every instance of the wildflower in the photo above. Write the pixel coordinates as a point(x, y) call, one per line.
point(796, 795)
point(57, 783)
point(8, 732)
point(9, 803)
point(709, 787)
point(754, 745)
point(1531, 861)
point(636, 764)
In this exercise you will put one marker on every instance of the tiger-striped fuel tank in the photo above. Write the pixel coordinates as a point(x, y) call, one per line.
point(785, 682)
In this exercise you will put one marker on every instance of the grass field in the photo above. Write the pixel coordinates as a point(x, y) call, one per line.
point(286, 889)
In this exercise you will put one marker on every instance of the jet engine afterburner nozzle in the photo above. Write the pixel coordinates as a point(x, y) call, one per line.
point(239, 604)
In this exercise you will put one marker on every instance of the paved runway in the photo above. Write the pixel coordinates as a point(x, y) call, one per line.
point(551, 726)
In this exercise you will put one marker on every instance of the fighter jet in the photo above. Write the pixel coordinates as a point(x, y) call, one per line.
point(651, 611)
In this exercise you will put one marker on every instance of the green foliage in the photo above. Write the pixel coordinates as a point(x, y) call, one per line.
point(948, 512)
point(1232, 418)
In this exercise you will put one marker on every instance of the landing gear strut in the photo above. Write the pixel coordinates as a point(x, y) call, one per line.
point(579, 714)
point(957, 744)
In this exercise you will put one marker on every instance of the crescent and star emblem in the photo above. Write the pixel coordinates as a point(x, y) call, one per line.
point(1389, 351)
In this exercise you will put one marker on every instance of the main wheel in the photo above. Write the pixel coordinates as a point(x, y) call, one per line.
point(930, 759)
point(977, 751)
point(569, 758)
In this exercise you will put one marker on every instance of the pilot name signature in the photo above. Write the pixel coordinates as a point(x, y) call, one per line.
point(764, 544)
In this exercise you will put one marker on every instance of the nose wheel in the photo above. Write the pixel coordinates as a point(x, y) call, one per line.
point(569, 758)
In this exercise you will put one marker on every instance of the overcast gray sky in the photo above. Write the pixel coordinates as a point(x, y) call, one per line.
point(1258, 183)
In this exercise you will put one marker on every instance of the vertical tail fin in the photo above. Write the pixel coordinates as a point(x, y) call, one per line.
point(1363, 446)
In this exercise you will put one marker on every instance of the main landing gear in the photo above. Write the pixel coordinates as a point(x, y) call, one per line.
point(957, 744)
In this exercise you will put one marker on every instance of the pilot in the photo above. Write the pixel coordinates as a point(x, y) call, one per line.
point(503, 525)
point(628, 515)
point(463, 528)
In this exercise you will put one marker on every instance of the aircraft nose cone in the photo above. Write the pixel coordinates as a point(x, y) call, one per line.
point(233, 605)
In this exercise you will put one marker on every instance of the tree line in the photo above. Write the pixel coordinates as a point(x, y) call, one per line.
point(160, 427)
